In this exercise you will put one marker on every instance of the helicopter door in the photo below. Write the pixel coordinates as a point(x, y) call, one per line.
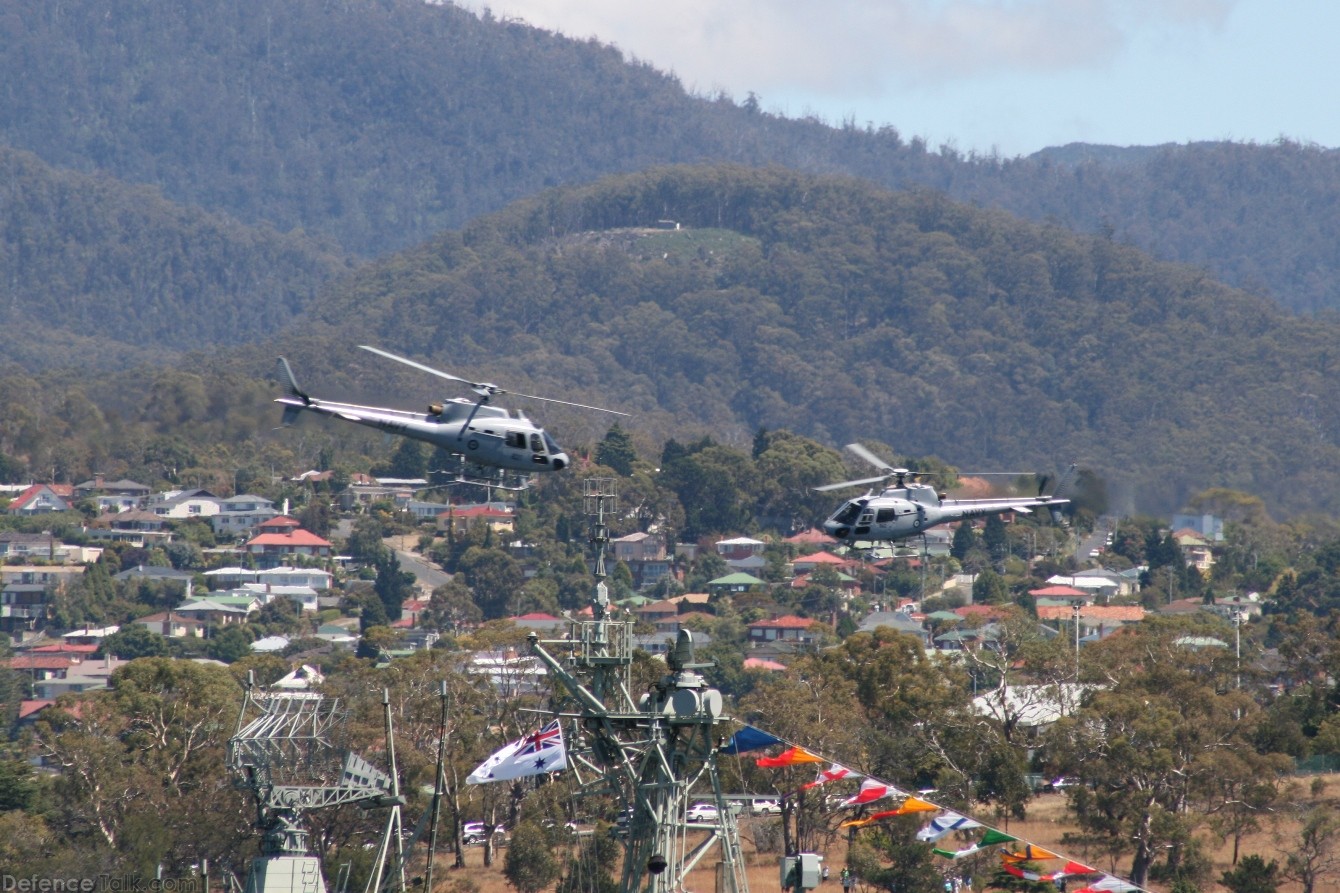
point(863, 523)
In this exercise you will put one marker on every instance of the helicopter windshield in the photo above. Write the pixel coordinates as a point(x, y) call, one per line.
point(551, 445)
point(848, 513)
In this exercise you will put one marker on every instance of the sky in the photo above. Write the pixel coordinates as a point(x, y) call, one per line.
point(1008, 77)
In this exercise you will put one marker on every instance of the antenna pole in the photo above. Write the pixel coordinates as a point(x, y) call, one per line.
point(438, 785)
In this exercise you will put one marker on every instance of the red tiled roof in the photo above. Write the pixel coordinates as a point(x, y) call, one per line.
point(536, 615)
point(758, 663)
point(812, 535)
point(820, 558)
point(40, 662)
point(982, 610)
point(1058, 592)
point(298, 537)
point(788, 622)
point(63, 648)
point(1110, 613)
point(28, 708)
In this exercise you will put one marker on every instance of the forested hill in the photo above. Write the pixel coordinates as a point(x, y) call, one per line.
point(381, 123)
point(840, 311)
point(100, 273)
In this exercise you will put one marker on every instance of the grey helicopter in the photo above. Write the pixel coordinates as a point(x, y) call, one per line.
point(489, 439)
point(908, 509)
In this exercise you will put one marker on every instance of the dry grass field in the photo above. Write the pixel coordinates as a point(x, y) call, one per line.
point(1046, 826)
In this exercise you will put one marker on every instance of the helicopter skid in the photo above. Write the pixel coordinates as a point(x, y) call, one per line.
point(472, 474)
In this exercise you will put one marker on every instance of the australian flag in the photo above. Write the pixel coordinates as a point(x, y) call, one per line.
point(536, 754)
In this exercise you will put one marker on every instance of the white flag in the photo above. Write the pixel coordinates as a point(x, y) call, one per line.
point(535, 754)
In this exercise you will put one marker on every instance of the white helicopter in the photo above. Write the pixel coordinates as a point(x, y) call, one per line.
point(491, 440)
point(909, 509)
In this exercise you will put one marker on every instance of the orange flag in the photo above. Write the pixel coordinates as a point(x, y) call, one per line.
point(790, 757)
point(909, 806)
point(1029, 853)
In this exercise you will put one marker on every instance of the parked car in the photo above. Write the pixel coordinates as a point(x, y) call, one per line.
point(702, 812)
point(472, 833)
point(765, 807)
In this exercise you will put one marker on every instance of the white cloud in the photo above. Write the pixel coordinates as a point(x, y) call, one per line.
point(863, 47)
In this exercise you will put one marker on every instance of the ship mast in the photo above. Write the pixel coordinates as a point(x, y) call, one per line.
point(658, 752)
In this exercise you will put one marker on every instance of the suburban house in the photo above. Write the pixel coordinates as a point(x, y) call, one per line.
point(1195, 549)
point(219, 610)
point(172, 625)
point(40, 499)
point(645, 556)
point(15, 546)
point(26, 590)
point(497, 515)
point(638, 547)
point(239, 515)
point(664, 616)
point(123, 489)
point(899, 621)
point(282, 539)
point(304, 597)
point(806, 564)
point(194, 503)
point(137, 527)
point(739, 582)
point(782, 629)
point(739, 548)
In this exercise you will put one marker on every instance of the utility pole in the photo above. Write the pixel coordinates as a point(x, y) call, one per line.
point(438, 785)
point(1075, 608)
point(1237, 644)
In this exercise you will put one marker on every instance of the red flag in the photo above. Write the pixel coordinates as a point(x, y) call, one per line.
point(788, 758)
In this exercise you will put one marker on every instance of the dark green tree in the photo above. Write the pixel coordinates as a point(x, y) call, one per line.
point(965, 540)
point(616, 451)
point(135, 640)
point(1252, 875)
point(393, 584)
point(530, 865)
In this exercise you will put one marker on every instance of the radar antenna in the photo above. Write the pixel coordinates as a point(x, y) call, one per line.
point(288, 752)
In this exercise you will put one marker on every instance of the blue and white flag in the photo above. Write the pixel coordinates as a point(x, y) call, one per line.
point(535, 754)
point(945, 824)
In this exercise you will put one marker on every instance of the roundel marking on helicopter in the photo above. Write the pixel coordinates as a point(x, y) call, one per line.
point(916, 522)
point(472, 444)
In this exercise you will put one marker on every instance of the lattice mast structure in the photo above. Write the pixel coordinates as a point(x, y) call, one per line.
point(658, 751)
point(288, 750)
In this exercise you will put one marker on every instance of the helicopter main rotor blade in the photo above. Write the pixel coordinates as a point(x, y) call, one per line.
point(564, 402)
point(484, 386)
point(861, 483)
point(483, 389)
point(870, 457)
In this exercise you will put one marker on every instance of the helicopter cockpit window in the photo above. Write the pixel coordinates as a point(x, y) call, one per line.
point(516, 439)
point(549, 442)
point(848, 513)
point(885, 515)
point(536, 444)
